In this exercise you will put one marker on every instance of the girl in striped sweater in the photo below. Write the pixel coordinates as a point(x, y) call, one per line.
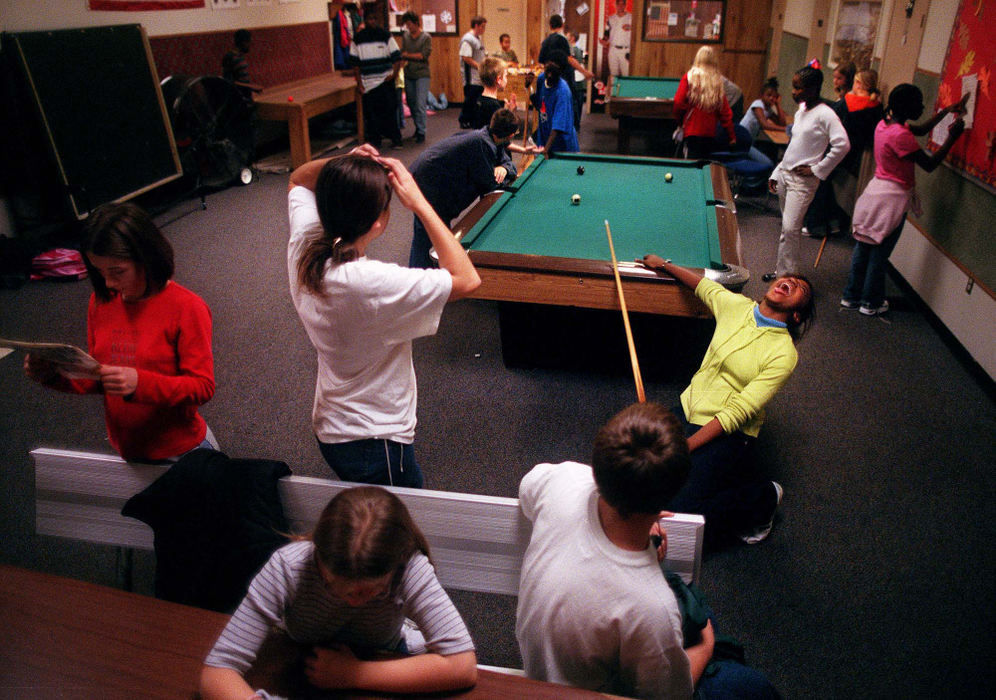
point(347, 591)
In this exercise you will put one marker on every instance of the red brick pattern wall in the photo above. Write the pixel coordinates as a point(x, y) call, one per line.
point(278, 54)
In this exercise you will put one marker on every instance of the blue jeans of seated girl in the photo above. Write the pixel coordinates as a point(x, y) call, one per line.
point(373, 461)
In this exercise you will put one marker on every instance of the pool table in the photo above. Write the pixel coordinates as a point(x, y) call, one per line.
point(641, 102)
point(531, 244)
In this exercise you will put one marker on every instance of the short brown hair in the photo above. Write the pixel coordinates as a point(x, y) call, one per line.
point(491, 69)
point(366, 532)
point(504, 123)
point(126, 231)
point(474, 21)
point(640, 459)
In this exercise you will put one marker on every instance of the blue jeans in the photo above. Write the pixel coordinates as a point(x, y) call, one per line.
point(418, 256)
point(417, 91)
point(725, 486)
point(373, 461)
point(866, 282)
point(755, 156)
point(729, 679)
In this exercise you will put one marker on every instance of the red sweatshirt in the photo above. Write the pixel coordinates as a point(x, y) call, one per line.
point(167, 338)
point(698, 122)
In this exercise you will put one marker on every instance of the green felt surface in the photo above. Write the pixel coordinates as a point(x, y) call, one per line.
point(646, 214)
point(643, 87)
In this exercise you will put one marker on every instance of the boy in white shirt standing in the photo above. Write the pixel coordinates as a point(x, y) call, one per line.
point(807, 161)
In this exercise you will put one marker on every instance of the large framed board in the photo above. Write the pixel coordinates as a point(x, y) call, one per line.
point(96, 96)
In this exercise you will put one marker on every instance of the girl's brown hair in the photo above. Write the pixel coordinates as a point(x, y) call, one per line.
point(127, 232)
point(366, 532)
point(351, 194)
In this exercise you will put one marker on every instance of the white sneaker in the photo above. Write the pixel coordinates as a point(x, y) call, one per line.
point(848, 304)
point(761, 533)
point(875, 311)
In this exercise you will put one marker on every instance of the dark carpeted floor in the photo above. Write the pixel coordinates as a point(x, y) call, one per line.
point(878, 578)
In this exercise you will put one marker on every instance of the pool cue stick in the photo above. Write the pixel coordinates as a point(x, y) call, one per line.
point(820, 254)
point(640, 395)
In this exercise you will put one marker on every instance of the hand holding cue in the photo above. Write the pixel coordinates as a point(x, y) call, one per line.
point(640, 395)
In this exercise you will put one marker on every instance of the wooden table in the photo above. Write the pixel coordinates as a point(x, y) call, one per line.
point(70, 639)
point(300, 100)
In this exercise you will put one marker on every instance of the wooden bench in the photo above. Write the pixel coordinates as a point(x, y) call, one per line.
point(477, 542)
point(296, 102)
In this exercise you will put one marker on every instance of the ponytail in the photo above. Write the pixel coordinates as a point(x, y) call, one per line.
point(351, 193)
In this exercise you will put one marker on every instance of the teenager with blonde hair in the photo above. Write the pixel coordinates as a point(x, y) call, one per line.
point(700, 104)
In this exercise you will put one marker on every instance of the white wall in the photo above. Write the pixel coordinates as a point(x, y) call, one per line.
point(799, 17)
point(970, 316)
point(32, 15)
point(936, 31)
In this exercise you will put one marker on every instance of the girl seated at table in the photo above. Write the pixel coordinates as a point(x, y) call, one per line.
point(151, 336)
point(346, 591)
point(764, 113)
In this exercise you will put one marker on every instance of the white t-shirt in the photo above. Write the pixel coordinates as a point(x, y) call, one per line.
point(619, 30)
point(591, 614)
point(362, 331)
point(471, 46)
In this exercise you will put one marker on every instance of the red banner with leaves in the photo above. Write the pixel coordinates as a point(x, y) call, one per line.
point(972, 55)
point(144, 5)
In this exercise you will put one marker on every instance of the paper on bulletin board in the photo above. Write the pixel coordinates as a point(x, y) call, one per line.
point(429, 23)
point(582, 9)
point(970, 86)
point(672, 19)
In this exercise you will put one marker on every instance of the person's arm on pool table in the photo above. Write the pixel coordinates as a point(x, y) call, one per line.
point(682, 274)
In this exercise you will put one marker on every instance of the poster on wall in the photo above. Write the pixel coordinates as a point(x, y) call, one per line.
point(144, 5)
point(968, 68)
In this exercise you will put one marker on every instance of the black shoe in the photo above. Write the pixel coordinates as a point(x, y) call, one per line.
point(397, 145)
point(419, 138)
point(768, 277)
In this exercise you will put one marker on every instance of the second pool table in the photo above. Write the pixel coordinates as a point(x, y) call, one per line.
point(531, 244)
point(641, 102)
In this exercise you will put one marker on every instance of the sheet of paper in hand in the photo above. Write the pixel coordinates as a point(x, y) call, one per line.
point(71, 361)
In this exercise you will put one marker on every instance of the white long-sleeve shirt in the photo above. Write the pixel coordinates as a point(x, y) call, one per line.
point(812, 131)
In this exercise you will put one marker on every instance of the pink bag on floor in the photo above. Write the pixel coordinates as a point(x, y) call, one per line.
point(58, 263)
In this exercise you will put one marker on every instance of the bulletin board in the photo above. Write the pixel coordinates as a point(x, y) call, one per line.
point(970, 61)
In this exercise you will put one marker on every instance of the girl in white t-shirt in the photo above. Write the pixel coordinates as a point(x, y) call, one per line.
point(362, 314)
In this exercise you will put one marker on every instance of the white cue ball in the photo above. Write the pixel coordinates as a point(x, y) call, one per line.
point(668, 177)
point(575, 199)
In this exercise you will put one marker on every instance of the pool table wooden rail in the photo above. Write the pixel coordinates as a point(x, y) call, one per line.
point(584, 283)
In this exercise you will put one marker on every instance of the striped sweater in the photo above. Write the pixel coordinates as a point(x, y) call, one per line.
point(290, 592)
point(374, 52)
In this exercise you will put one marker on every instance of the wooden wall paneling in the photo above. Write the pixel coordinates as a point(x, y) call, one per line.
point(538, 25)
point(742, 55)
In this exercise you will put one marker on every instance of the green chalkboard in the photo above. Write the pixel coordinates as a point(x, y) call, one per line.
point(96, 95)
